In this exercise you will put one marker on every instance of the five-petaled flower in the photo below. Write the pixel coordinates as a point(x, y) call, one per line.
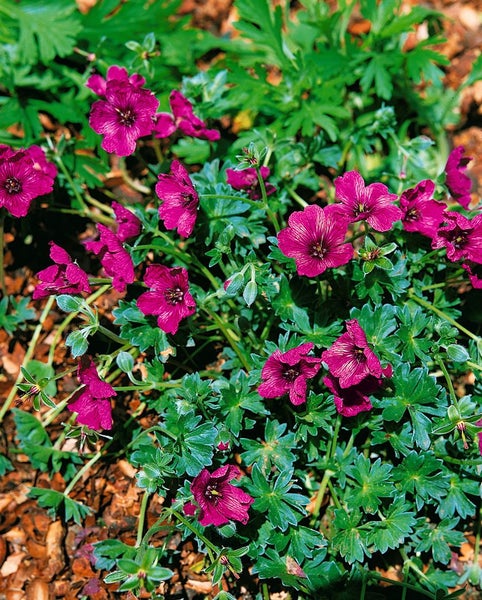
point(64, 277)
point(179, 200)
point(247, 180)
point(457, 182)
point(115, 259)
point(128, 225)
point(25, 174)
point(219, 500)
point(372, 203)
point(114, 73)
point(168, 297)
point(421, 213)
point(350, 359)
point(288, 372)
point(315, 238)
point(182, 119)
point(123, 115)
point(461, 237)
point(92, 402)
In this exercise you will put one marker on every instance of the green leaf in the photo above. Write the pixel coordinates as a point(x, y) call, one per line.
point(372, 482)
point(77, 343)
point(56, 501)
point(107, 551)
point(438, 539)
point(69, 303)
point(350, 540)
point(274, 450)
point(398, 524)
point(457, 353)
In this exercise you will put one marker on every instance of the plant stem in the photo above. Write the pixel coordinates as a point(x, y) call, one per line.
point(142, 518)
point(448, 379)
point(272, 216)
point(83, 470)
point(2, 243)
point(210, 547)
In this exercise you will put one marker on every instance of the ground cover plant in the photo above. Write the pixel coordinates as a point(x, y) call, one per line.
point(264, 277)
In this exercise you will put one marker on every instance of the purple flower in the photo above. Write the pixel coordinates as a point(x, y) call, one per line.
point(421, 213)
point(168, 297)
point(247, 180)
point(182, 119)
point(24, 175)
point(458, 183)
point(372, 203)
point(475, 274)
point(479, 435)
point(219, 500)
point(114, 73)
point(123, 116)
point(315, 239)
point(179, 200)
point(461, 237)
point(287, 373)
point(65, 277)
point(114, 258)
point(350, 359)
point(92, 402)
point(128, 225)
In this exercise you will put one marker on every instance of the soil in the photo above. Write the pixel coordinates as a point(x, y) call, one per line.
point(42, 557)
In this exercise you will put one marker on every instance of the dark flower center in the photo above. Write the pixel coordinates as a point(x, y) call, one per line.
point(174, 296)
point(359, 209)
point(317, 250)
point(12, 185)
point(187, 200)
point(291, 373)
point(127, 116)
point(212, 493)
point(412, 214)
point(359, 354)
point(459, 238)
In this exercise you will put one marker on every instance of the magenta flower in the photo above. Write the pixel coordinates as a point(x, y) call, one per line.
point(288, 372)
point(24, 175)
point(479, 435)
point(461, 237)
point(114, 258)
point(179, 200)
point(475, 274)
point(421, 213)
point(128, 225)
point(247, 180)
point(182, 119)
point(92, 402)
point(372, 203)
point(65, 277)
point(168, 297)
point(114, 73)
point(350, 359)
point(123, 116)
point(219, 500)
point(458, 183)
point(315, 239)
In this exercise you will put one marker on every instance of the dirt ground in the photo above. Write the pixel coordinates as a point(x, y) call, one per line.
point(41, 557)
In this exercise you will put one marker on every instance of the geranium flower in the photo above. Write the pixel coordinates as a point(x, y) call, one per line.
point(114, 258)
point(123, 116)
point(219, 500)
point(179, 200)
point(114, 73)
point(182, 119)
point(315, 239)
point(92, 402)
point(65, 277)
point(128, 225)
point(247, 180)
point(288, 372)
point(24, 175)
point(372, 203)
point(168, 297)
point(461, 237)
point(475, 274)
point(458, 183)
point(350, 359)
point(421, 213)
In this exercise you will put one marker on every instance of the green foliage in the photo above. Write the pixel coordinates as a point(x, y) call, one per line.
point(14, 313)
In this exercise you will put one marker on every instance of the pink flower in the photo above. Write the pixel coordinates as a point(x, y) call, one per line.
point(372, 203)
point(123, 116)
point(421, 213)
point(458, 183)
point(288, 372)
point(220, 501)
point(479, 435)
point(24, 175)
point(179, 200)
point(114, 258)
point(350, 359)
point(461, 237)
point(128, 225)
point(182, 119)
point(92, 402)
point(475, 274)
point(65, 277)
point(247, 180)
point(315, 239)
point(114, 73)
point(168, 297)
